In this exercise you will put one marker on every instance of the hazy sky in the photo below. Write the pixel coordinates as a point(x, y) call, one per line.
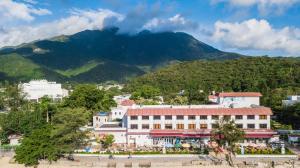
point(253, 27)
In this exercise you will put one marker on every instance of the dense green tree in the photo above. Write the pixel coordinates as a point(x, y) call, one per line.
point(66, 128)
point(145, 92)
point(39, 145)
point(178, 100)
point(291, 115)
point(14, 99)
point(226, 134)
point(89, 97)
point(48, 107)
point(20, 122)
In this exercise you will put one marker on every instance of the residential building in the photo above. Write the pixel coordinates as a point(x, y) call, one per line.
point(117, 113)
point(155, 126)
point(291, 100)
point(158, 125)
point(36, 89)
point(100, 118)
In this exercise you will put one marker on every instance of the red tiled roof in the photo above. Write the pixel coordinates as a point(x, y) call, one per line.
point(212, 97)
point(239, 94)
point(200, 111)
point(127, 103)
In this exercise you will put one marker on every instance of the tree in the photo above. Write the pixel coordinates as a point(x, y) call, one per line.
point(20, 122)
point(66, 129)
point(89, 97)
point(14, 99)
point(179, 100)
point(146, 92)
point(226, 135)
point(38, 145)
point(47, 107)
point(107, 141)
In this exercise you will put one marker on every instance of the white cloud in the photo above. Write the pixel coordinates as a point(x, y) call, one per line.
point(78, 21)
point(11, 11)
point(264, 6)
point(31, 1)
point(257, 35)
point(175, 23)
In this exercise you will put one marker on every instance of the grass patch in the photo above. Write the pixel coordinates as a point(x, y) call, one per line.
point(73, 72)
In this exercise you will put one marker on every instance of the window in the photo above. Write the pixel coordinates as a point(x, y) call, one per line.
point(227, 117)
point(262, 125)
point(133, 126)
point(262, 117)
point(251, 126)
point(156, 117)
point(192, 117)
point(156, 126)
point(214, 125)
point(145, 117)
point(239, 125)
point(203, 126)
point(250, 117)
point(215, 117)
point(203, 117)
point(115, 113)
point(133, 117)
point(238, 117)
point(145, 126)
point(192, 126)
point(168, 126)
point(168, 117)
point(119, 113)
point(180, 126)
point(179, 117)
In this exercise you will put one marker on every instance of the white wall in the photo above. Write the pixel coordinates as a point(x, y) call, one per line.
point(35, 90)
point(238, 102)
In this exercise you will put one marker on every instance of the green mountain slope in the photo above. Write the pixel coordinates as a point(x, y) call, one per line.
point(96, 53)
point(272, 76)
point(17, 68)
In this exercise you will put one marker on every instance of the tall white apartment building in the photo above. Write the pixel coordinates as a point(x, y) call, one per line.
point(36, 89)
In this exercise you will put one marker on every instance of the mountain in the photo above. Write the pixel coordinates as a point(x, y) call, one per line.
point(102, 55)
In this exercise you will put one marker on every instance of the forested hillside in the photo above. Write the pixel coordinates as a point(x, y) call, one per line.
point(275, 78)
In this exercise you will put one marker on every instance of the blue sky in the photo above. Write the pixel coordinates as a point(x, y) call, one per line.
point(252, 27)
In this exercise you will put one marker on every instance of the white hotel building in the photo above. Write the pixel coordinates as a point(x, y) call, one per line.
point(167, 124)
point(36, 89)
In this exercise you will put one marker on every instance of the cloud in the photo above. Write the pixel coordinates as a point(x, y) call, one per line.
point(12, 11)
point(31, 1)
point(143, 16)
point(258, 35)
point(175, 23)
point(265, 7)
point(78, 21)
